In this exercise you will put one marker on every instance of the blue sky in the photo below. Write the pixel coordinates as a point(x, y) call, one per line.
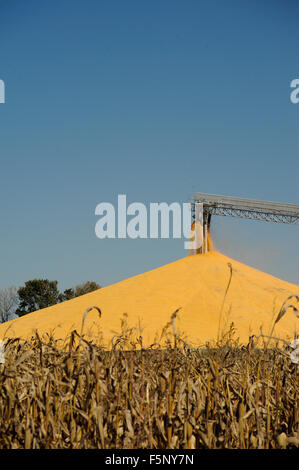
point(152, 99)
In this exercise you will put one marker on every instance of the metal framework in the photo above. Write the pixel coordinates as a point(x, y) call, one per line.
point(245, 209)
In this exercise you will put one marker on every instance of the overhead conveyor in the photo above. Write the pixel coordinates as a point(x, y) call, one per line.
point(253, 209)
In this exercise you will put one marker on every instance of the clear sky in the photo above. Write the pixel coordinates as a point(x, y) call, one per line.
point(152, 99)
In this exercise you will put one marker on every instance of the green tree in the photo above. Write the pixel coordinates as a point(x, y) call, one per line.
point(68, 294)
point(37, 294)
point(79, 289)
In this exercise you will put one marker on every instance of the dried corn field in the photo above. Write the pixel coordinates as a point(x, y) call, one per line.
point(85, 397)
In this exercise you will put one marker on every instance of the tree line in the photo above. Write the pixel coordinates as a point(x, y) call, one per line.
point(37, 294)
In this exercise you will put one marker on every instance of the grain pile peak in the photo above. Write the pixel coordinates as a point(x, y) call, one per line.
point(199, 298)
